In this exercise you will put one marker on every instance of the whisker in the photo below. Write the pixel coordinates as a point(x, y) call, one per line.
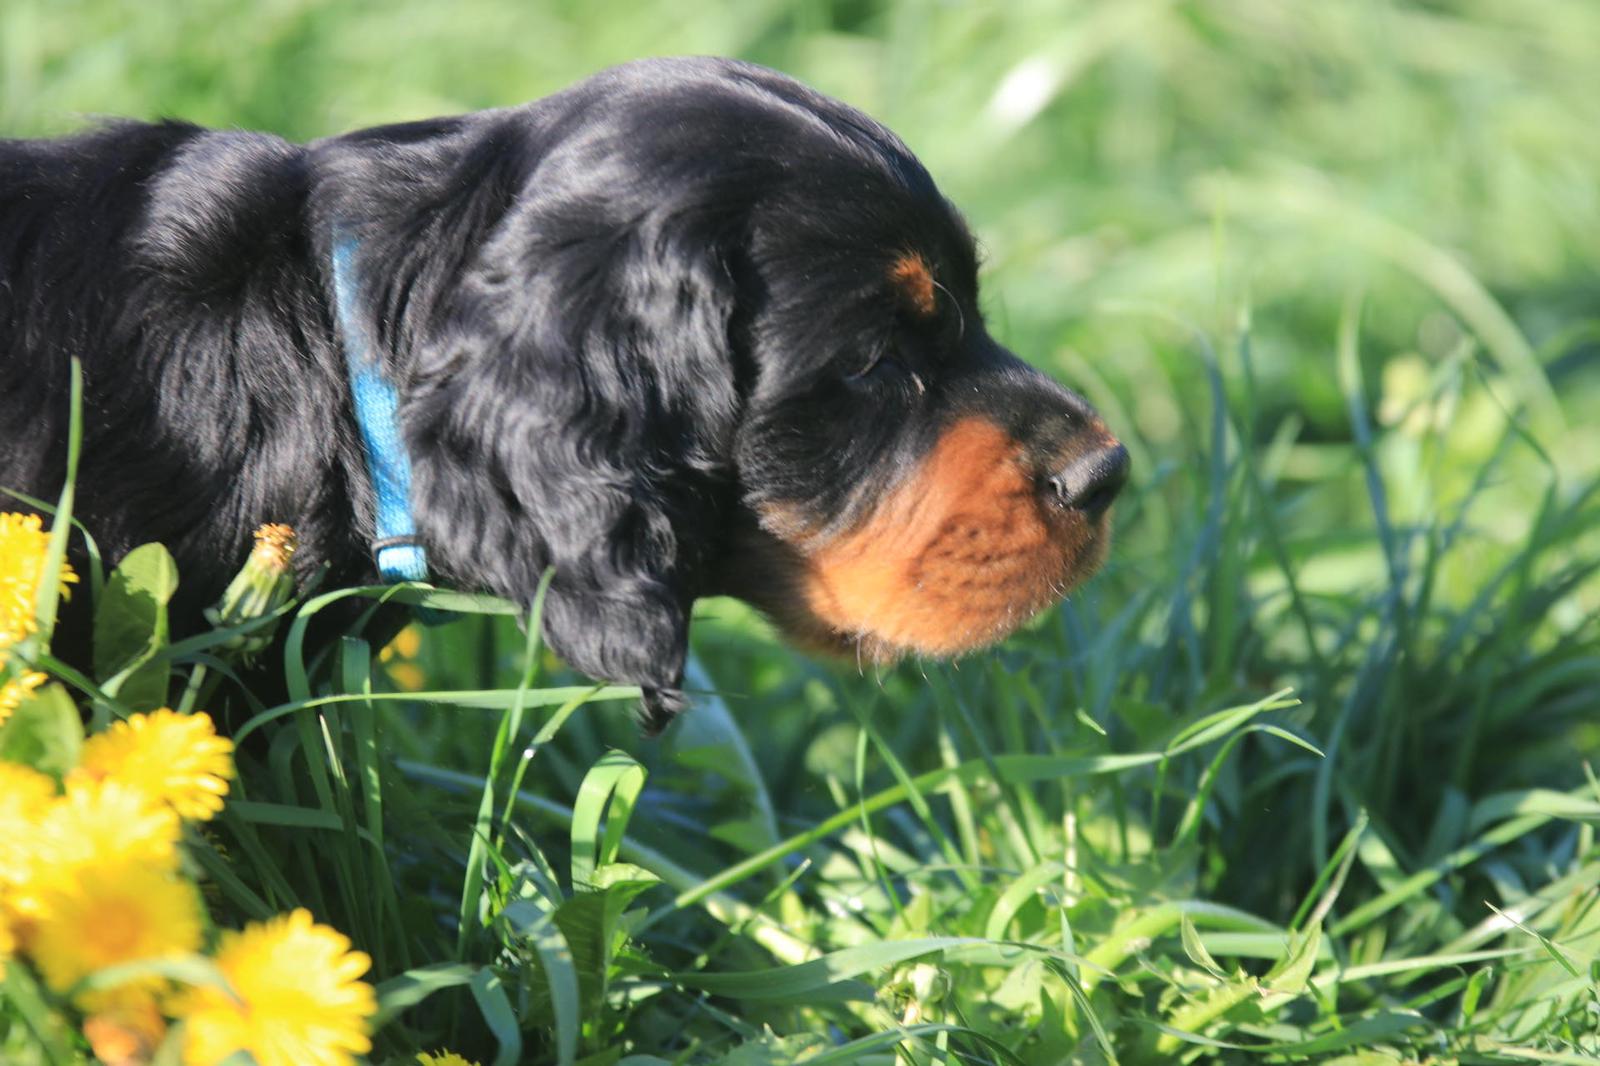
point(961, 318)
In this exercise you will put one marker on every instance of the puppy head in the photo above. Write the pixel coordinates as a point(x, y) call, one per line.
point(717, 333)
point(909, 485)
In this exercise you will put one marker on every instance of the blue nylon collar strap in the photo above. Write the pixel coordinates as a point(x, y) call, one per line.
point(395, 546)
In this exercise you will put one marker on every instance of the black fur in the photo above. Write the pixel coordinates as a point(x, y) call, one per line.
point(624, 319)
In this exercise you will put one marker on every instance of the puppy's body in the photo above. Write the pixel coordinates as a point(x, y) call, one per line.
point(685, 328)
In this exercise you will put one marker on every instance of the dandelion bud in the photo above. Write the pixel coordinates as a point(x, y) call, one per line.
point(264, 584)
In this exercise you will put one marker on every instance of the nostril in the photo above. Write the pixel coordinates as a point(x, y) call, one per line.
point(1091, 482)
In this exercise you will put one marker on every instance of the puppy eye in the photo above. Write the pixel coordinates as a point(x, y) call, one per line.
point(880, 366)
point(884, 361)
point(888, 367)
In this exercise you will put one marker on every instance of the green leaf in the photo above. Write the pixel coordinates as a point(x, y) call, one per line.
point(808, 978)
point(592, 924)
point(1573, 806)
point(533, 923)
point(1554, 950)
point(194, 970)
point(130, 627)
point(44, 732)
point(286, 814)
point(412, 987)
point(1474, 993)
point(1137, 927)
point(1197, 951)
point(22, 999)
point(613, 874)
point(48, 595)
point(1017, 894)
point(1200, 1011)
point(475, 699)
point(490, 993)
point(1290, 977)
point(1373, 1029)
point(615, 779)
point(1221, 723)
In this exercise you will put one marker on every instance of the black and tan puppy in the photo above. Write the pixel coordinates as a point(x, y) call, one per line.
point(686, 328)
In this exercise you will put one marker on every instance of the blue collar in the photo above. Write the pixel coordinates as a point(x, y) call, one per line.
point(396, 548)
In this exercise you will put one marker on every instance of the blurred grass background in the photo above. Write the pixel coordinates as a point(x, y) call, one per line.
point(1195, 154)
point(1329, 269)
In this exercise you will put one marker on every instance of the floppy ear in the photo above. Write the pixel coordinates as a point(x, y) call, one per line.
point(573, 405)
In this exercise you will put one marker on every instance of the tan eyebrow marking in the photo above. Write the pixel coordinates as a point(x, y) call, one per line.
point(912, 276)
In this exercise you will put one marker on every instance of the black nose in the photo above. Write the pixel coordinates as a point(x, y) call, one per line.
point(1090, 482)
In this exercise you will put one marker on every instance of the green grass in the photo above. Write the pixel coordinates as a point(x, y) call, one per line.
point(1302, 775)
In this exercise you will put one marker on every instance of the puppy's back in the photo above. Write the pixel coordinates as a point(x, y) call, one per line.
point(66, 207)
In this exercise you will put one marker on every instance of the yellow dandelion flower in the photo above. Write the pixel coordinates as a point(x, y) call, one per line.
point(175, 759)
point(8, 944)
point(13, 692)
point(408, 676)
point(97, 825)
point(443, 1058)
point(24, 789)
point(109, 822)
point(296, 1001)
point(25, 795)
point(405, 645)
point(397, 656)
point(110, 915)
point(24, 543)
